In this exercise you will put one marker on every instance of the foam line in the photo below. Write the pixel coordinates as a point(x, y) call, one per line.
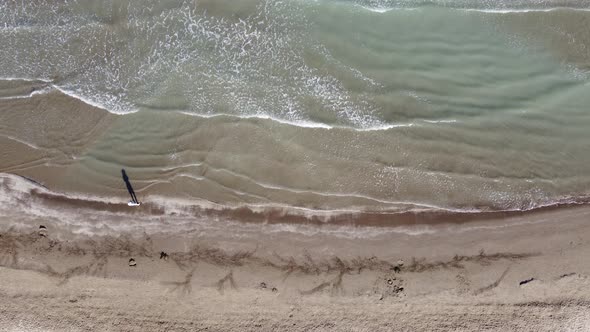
point(529, 10)
point(21, 141)
point(90, 102)
point(25, 79)
point(297, 123)
point(382, 10)
point(30, 95)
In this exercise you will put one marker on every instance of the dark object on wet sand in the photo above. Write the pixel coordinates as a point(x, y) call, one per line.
point(274, 290)
point(263, 285)
point(132, 262)
point(163, 255)
point(526, 281)
point(42, 231)
point(129, 187)
point(567, 275)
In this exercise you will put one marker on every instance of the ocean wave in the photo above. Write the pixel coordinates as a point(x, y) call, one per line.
point(109, 107)
point(238, 52)
point(296, 123)
point(69, 92)
point(502, 6)
point(526, 10)
point(383, 10)
point(26, 79)
point(219, 60)
point(303, 123)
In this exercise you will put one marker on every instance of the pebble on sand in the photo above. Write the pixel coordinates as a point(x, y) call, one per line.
point(132, 262)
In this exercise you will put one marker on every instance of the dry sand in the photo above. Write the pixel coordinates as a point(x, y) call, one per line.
point(531, 275)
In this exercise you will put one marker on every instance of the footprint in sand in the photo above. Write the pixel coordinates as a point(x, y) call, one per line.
point(464, 283)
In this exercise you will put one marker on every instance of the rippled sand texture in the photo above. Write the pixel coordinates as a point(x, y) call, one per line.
point(324, 105)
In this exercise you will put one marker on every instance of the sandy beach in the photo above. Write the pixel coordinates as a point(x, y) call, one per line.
point(486, 275)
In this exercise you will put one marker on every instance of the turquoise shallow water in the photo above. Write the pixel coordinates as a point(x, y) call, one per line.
point(325, 104)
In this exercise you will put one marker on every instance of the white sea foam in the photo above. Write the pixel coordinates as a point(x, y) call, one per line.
point(25, 79)
point(302, 123)
point(94, 103)
point(296, 123)
point(441, 121)
point(524, 10)
point(30, 95)
point(63, 90)
point(384, 127)
point(383, 10)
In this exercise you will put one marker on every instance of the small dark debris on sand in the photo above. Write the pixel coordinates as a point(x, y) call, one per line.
point(274, 290)
point(42, 231)
point(397, 289)
point(398, 267)
point(526, 281)
point(388, 286)
point(263, 285)
point(567, 275)
point(163, 255)
point(132, 262)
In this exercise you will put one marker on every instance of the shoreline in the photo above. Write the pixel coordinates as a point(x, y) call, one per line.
point(290, 215)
